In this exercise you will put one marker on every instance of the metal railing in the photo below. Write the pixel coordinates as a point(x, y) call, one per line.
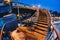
point(2, 30)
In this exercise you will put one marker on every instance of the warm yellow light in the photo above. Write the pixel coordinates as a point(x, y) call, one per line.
point(7, 1)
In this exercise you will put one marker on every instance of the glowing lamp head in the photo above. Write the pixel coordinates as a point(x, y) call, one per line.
point(7, 1)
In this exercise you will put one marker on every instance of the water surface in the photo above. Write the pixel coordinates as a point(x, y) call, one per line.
point(57, 25)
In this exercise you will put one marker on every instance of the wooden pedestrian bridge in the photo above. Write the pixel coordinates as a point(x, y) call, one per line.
point(35, 23)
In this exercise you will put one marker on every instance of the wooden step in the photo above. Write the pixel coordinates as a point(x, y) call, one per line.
point(41, 23)
point(41, 28)
point(42, 20)
point(40, 32)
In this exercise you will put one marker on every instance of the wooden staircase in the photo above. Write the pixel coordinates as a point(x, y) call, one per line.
point(38, 31)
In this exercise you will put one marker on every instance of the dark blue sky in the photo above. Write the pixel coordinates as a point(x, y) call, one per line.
point(48, 4)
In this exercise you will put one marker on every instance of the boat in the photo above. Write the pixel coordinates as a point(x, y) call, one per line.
point(34, 23)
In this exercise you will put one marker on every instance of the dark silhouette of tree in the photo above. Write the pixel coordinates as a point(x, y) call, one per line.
point(55, 13)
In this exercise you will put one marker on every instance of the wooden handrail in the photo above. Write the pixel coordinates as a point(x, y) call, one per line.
point(58, 36)
point(50, 22)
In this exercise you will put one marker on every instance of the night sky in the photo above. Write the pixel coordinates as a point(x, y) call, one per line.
point(48, 4)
